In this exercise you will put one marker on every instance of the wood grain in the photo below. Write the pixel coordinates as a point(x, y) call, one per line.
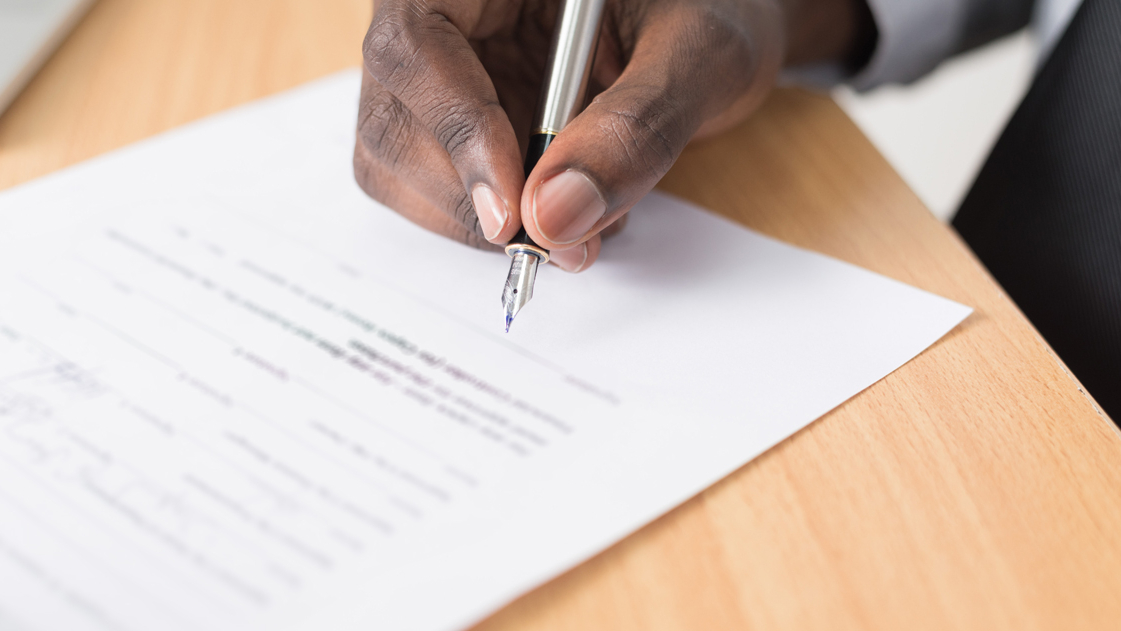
point(975, 488)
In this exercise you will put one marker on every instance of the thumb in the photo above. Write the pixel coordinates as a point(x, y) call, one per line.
point(688, 66)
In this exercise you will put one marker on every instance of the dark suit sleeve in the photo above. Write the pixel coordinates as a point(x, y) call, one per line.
point(986, 20)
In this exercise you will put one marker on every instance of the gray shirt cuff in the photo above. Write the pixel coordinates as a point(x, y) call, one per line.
point(914, 37)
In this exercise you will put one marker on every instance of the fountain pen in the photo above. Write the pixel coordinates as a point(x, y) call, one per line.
point(562, 97)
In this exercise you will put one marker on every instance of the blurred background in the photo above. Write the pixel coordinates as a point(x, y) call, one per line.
point(938, 131)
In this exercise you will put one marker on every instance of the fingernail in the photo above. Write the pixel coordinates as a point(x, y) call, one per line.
point(566, 207)
point(572, 259)
point(490, 210)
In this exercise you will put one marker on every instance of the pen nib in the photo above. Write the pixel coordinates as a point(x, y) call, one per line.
point(519, 284)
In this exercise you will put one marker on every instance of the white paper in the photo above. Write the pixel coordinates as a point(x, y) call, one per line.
point(235, 393)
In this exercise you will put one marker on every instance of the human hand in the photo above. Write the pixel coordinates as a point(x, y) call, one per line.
point(450, 88)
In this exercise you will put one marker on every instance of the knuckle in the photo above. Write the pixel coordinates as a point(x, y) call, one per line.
point(396, 45)
point(461, 121)
point(391, 43)
point(456, 127)
point(384, 128)
point(646, 131)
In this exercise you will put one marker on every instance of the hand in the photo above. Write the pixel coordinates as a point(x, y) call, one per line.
point(450, 88)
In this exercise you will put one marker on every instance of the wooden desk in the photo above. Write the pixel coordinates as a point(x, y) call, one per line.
point(976, 487)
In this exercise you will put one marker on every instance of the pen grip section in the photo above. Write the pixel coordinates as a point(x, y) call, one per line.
point(538, 143)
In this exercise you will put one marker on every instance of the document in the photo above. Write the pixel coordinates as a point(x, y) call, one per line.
point(236, 393)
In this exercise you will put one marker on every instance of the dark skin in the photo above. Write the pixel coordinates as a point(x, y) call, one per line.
point(450, 88)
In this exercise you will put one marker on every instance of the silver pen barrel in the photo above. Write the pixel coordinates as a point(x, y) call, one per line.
point(571, 56)
point(570, 64)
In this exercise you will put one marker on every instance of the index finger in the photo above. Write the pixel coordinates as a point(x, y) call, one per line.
point(419, 52)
